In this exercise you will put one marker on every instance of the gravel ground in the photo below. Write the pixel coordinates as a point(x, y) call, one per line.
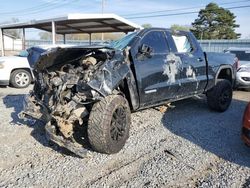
point(187, 146)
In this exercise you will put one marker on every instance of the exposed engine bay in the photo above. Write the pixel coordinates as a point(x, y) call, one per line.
point(68, 82)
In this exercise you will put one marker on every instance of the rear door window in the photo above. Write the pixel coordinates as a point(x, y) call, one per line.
point(182, 43)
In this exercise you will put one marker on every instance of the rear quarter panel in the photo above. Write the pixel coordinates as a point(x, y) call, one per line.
point(217, 62)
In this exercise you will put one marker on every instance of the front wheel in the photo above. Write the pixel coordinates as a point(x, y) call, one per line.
point(220, 96)
point(109, 123)
point(20, 78)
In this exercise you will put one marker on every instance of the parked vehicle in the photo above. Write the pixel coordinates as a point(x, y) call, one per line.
point(246, 125)
point(97, 87)
point(243, 68)
point(15, 70)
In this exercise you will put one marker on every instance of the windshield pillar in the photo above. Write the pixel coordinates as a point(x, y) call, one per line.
point(2, 41)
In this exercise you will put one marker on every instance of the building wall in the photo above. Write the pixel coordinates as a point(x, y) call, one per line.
point(12, 43)
point(8, 42)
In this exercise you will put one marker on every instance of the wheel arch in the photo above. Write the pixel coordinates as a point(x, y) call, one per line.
point(129, 91)
point(225, 72)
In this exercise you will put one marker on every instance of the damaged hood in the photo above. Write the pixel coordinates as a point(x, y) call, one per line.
point(106, 66)
point(57, 55)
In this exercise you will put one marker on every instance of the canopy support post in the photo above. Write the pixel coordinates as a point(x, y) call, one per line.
point(53, 32)
point(2, 41)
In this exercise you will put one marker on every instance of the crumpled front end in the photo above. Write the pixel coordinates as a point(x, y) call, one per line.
point(68, 82)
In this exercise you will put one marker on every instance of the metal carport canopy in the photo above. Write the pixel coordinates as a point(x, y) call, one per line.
point(76, 23)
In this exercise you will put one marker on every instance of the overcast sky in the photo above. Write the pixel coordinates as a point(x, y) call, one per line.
point(159, 13)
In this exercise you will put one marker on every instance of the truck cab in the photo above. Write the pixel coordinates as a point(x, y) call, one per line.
point(168, 65)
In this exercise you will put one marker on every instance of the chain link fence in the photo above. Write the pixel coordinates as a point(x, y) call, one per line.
point(221, 45)
point(207, 45)
point(30, 43)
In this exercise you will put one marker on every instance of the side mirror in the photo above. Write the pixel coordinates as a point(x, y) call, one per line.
point(146, 50)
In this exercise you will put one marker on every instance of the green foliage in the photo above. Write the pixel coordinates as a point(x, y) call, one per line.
point(13, 32)
point(146, 25)
point(180, 27)
point(45, 35)
point(215, 22)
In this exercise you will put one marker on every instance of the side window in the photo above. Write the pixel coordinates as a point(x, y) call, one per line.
point(182, 43)
point(156, 40)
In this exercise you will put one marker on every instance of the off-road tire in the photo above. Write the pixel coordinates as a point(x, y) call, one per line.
point(26, 78)
point(102, 120)
point(220, 96)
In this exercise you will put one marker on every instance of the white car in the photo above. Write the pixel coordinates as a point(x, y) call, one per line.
point(243, 67)
point(15, 70)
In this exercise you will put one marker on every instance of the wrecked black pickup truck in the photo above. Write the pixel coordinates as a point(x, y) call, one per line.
point(90, 91)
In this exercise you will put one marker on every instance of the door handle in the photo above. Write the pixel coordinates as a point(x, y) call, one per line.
point(200, 59)
point(172, 61)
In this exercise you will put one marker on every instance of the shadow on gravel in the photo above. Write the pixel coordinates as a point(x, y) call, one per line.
point(16, 102)
point(218, 133)
point(38, 132)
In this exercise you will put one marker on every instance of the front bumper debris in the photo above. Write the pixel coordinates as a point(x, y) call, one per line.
point(66, 143)
point(33, 109)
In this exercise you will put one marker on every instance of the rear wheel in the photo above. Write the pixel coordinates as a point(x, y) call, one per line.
point(220, 96)
point(109, 123)
point(20, 78)
point(247, 89)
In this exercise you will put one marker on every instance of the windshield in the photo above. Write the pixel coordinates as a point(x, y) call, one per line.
point(123, 42)
point(242, 55)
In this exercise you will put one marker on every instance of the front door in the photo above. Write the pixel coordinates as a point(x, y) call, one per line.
point(156, 80)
